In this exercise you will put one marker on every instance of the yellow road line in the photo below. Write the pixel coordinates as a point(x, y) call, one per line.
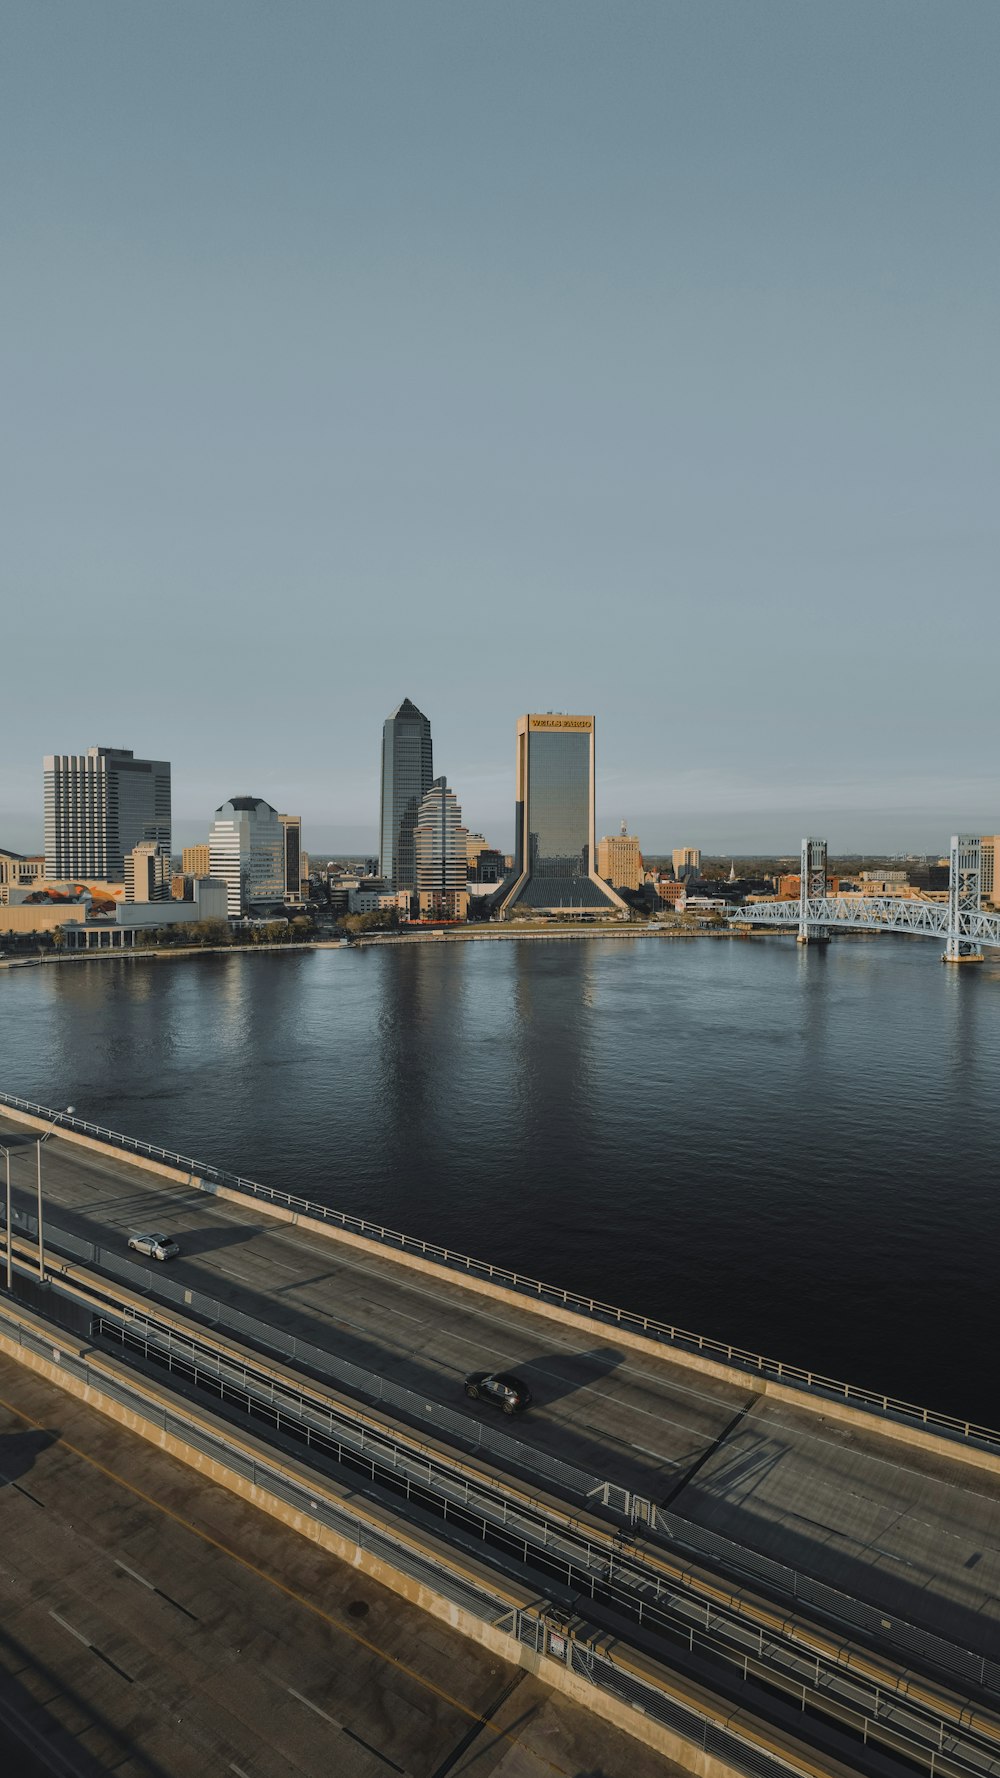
point(281, 1586)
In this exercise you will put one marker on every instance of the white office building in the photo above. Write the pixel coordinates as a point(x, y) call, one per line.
point(246, 849)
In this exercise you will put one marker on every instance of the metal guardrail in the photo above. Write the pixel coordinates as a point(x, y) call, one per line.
point(660, 1332)
point(906, 1640)
point(480, 1514)
point(530, 1626)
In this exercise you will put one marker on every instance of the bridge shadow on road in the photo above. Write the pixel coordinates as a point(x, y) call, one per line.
point(196, 1240)
point(20, 1451)
point(554, 1375)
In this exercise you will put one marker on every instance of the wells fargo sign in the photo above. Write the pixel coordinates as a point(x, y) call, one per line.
point(562, 722)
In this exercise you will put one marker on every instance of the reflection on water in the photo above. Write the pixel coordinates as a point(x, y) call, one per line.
point(788, 1147)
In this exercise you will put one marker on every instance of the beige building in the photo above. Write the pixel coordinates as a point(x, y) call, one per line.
point(686, 861)
point(194, 861)
point(19, 872)
point(443, 904)
point(147, 873)
point(41, 916)
point(474, 844)
point(619, 860)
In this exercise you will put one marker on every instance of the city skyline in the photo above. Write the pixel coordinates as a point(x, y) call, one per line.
point(682, 413)
point(864, 826)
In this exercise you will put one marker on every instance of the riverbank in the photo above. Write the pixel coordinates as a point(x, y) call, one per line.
point(491, 934)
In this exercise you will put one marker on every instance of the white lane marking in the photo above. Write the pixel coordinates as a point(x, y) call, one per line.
point(143, 1582)
point(311, 1706)
point(420, 1319)
point(233, 1767)
point(227, 1272)
point(77, 1633)
point(649, 1377)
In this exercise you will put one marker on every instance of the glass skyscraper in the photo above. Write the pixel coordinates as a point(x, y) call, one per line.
point(554, 860)
point(407, 773)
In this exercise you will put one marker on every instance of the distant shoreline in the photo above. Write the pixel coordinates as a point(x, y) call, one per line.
point(490, 936)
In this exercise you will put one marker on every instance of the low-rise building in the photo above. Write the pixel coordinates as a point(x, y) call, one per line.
point(619, 860)
point(46, 916)
point(135, 917)
point(379, 901)
point(19, 871)
point(195, 861)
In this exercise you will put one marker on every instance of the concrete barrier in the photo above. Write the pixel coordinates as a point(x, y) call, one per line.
point(553, 1673)
point(868, 1420)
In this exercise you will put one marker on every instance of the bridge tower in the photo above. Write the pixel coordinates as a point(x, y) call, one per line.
point(964, 885)
point(812, 887)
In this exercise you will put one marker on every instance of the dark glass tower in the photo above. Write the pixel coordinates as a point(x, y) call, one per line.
point(554, 862)
point(407, 773)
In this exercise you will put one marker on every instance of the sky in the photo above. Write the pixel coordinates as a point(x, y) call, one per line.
point(636, 359)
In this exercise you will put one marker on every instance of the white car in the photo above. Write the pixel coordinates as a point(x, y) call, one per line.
point(154, 1246)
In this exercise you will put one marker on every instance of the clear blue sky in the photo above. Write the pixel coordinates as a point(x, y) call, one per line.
point(635, 358)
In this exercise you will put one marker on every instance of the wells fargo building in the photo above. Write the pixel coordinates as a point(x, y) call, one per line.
point(554, 857)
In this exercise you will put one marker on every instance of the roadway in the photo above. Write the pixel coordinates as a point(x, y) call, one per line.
point(156, 1626)
point(916, 1536)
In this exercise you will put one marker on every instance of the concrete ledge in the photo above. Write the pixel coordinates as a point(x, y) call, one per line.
point(551, 1672)
point(867, 1420)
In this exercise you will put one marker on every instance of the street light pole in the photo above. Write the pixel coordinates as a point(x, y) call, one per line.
point(38, 1173)
point(10, 1277)
point(41, 1237)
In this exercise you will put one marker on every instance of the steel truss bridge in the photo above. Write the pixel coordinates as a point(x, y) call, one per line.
point(959, 921)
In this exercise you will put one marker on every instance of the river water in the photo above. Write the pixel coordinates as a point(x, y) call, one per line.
point(795, 1150)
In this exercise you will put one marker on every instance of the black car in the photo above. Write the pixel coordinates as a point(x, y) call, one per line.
point(507, 1392)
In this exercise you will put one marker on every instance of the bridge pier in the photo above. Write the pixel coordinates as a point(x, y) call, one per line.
point(964, 885)
point(812, 884)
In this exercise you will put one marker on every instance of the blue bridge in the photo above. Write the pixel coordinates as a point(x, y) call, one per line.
point(958, 921)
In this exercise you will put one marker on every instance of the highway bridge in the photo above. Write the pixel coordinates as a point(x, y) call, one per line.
point(733, 1559)
point(960, 922)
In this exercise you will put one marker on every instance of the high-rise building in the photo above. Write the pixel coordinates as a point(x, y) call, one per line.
point(989, 876)
point(686, 862)
point(554, 856)
point(98, 806)
point(407, 771)
point(291, 827)
point(246, 848)
point(619, 860)
point(442, 864)
point(195, 861)
point(147, 873)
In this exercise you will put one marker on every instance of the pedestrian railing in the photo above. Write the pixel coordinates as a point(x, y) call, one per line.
point(534, 1289)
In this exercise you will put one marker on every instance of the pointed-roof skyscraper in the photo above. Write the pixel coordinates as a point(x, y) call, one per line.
point(407, 773)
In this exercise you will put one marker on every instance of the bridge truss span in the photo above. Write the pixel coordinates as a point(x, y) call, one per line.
point(959, 922)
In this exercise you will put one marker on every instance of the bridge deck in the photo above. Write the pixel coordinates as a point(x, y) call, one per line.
point(916, 1535)
point(217, 1668)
